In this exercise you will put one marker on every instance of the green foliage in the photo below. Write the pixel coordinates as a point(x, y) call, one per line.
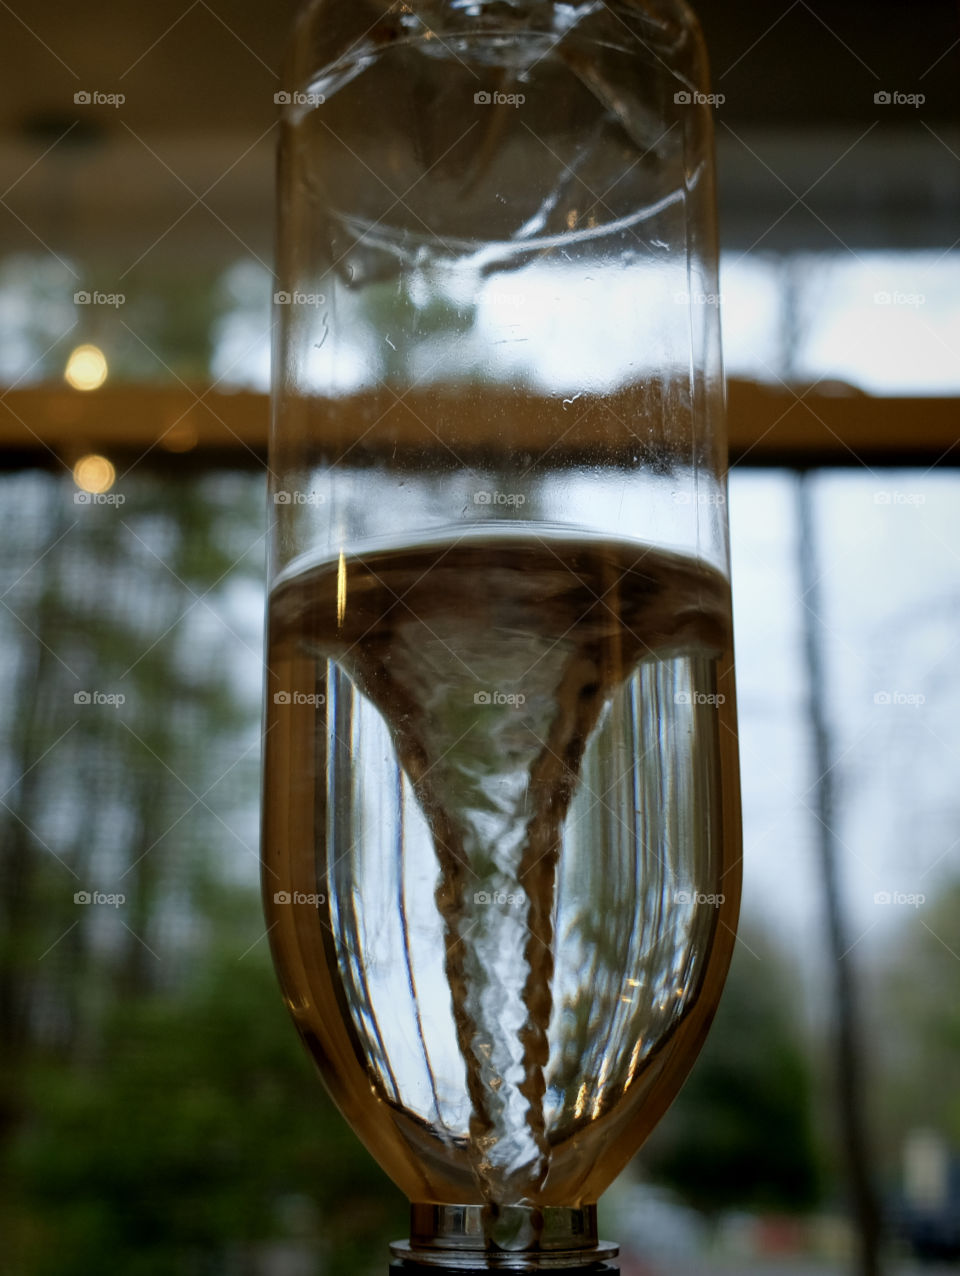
point(181, 1139)
point(741, 1132)
point(918, 1022)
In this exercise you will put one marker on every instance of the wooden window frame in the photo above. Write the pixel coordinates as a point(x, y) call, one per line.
point(768, 426)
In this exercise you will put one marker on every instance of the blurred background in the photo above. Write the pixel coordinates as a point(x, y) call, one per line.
point(157, 1113)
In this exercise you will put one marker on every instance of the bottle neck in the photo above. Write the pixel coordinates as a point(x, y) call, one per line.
point(406, 1267)
point(516, 1237)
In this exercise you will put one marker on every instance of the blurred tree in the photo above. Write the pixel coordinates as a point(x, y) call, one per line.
point(158, 1113)
point(177, 1148)
point(850, 1066)
point(741, 1132)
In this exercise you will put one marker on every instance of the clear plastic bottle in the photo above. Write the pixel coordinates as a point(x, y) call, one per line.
point(501, 817)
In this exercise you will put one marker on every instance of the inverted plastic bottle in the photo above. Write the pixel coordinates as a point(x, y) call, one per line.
point(501, 821)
